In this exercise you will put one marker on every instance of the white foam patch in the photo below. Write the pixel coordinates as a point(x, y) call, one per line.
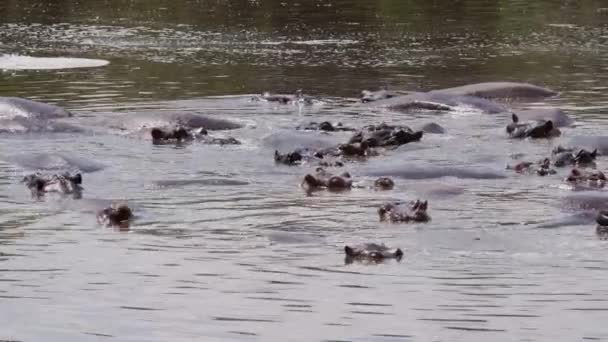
point(17, 62)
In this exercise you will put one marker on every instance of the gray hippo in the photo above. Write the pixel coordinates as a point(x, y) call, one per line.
point(543, 169)
point(57, 162)
point(571, 156)
point(11, 107)
point(323, 179)
point(499, 90)
point(534, 130)
point(371, 253)
point(385, 135)
point(26, 125)
point(117, 215)
point(583, 179)
point(178, 135)
point(149, 120)
point(63, 184)
point(325, 126)
point(404, 212)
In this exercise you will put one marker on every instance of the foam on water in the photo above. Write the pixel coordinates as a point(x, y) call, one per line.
point(19, 62)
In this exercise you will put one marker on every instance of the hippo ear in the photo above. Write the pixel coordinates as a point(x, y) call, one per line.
point(398, 253)
point(418, 135)
point(549, 125)
point(77, 178)
point(349, 251)
point(515, 118)
point(424, 205)
point(594, 153)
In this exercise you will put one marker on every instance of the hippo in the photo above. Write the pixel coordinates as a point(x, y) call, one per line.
point(117, 215)
point(325, 126)
point(404, 212)
point(384, 183)
point(63, 184)
point(148, 120)
point(371, 252)
point(543, 169)
point(557, 116)
point(58, 162)
point(499, 90)
point(602, 224)
point(325, 180)
point(11, 107)
point(433, 128)
point(298, 97)
point(384, 135)
point(536, 130)
point(570, 156)
point(582, 178)
point(163, 136)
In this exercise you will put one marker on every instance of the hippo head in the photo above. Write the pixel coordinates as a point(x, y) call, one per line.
point(157, 134)
point(289, 158)
point(384, 183)
point(419, 213)
point(117, 215)
point(514, 124)
point(585, 157)
point(326, 126)
point(544, 130)
point(602, 218)
point(371, 253)
point(337, 183)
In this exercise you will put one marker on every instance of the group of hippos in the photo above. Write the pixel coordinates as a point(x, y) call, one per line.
point(366, 142)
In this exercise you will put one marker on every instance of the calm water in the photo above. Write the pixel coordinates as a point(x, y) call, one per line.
point(226, 246)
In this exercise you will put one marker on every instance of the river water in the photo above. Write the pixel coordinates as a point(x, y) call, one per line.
point(226, 245)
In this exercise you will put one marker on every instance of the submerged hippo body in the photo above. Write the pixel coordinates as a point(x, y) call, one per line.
point(140, 121)
point(57, 162)
point(371, 252)
point(602, 224)
point(11, 107)
point(63, 184)
point(583, 179)
point(592, 142)
point(534, 130)
point(179, 135)
point(404, 212)
point(384, 135)
point(117, 215)
point(499, 90)
point(25, 125)
point(571, 156)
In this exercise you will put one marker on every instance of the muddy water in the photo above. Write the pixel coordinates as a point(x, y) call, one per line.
point(226, 246)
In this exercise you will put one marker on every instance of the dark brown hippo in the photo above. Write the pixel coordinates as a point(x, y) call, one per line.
point(404, 212)
point(543, 169)
point(325, 126)
point(305, 155)
point(583, 178)
point(325, 180)
point(534, 130)
point(180, 135)
point(371, 253)
point(63, 184)
point(570, 156)
point(117, 215)
point(384, 183)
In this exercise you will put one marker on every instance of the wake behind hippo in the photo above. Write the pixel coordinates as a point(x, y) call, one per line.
point(500, 90)
point(139, 121)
